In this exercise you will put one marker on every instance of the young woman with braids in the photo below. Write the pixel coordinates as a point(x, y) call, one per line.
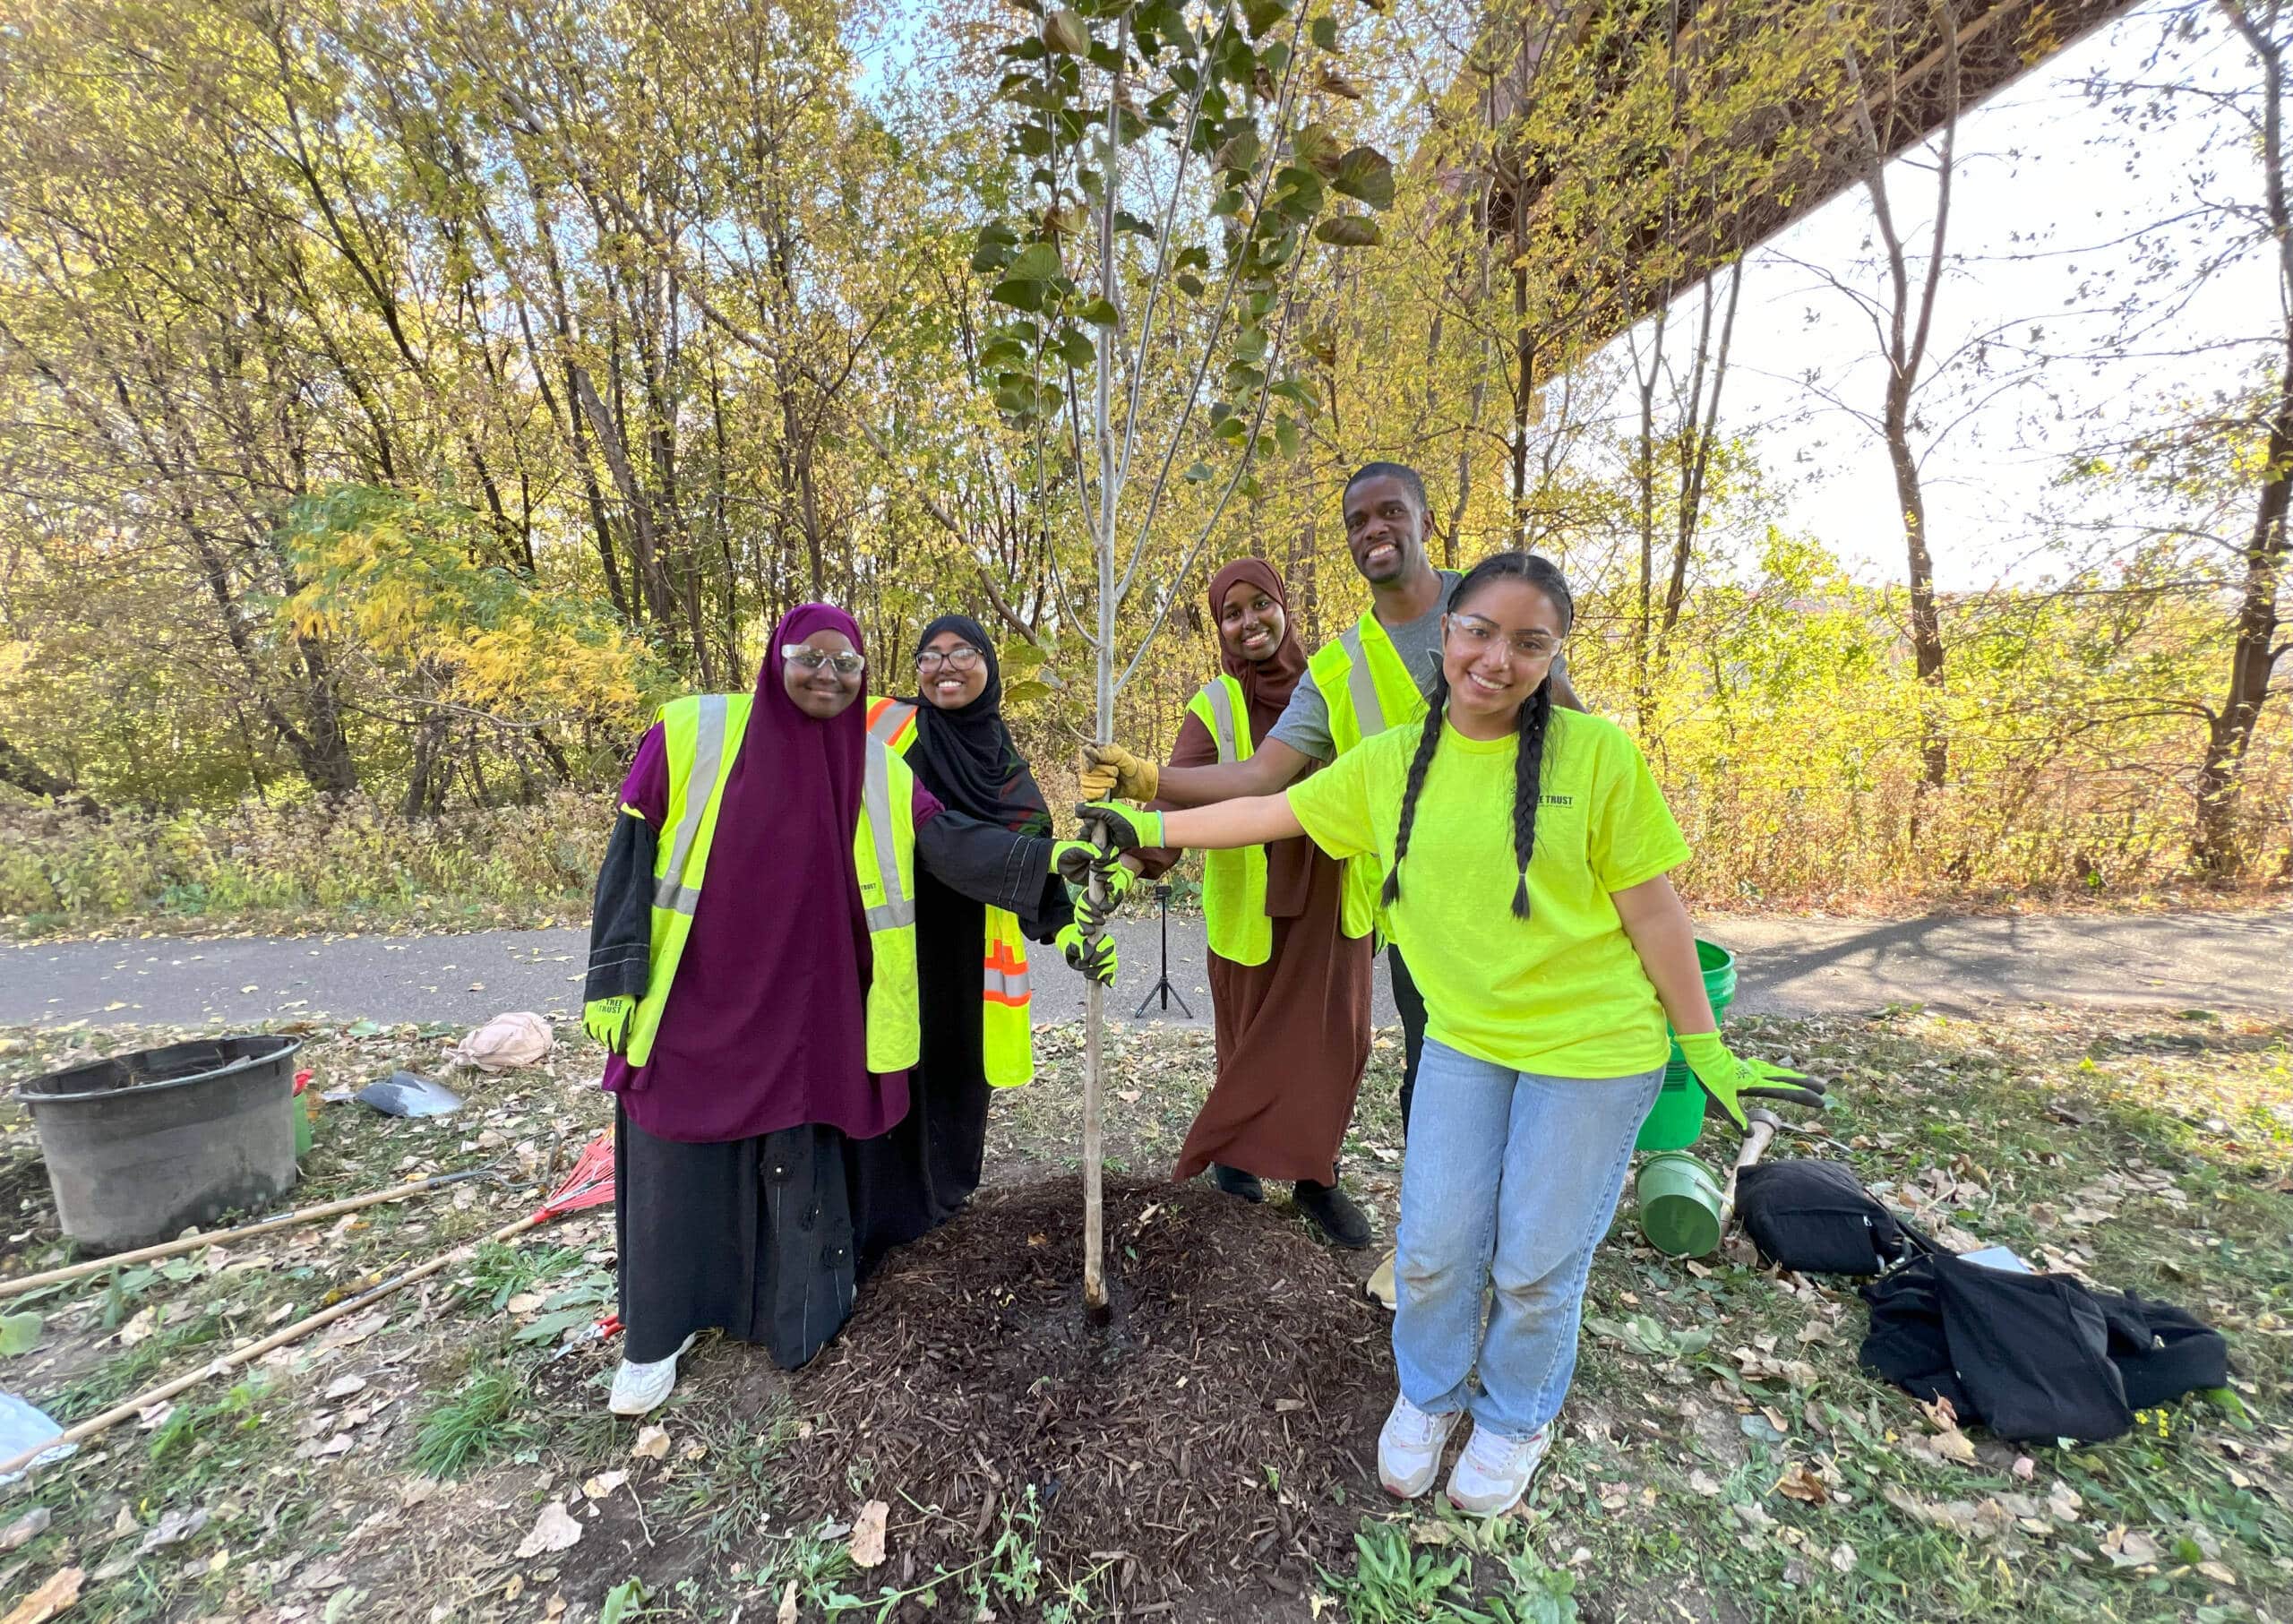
point(1525, 849)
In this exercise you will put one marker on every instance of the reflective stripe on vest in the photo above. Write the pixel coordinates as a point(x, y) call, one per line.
point(891, 722)
point(1220, 697)
point(1006, 980)
point(670, 891)
point(1361, 683)
point(899, 908)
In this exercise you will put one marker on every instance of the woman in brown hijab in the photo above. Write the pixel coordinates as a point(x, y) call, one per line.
point(1290, 988)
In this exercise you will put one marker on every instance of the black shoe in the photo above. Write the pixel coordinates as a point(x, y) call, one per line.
point(1334, 1213)
point(1235, 1183)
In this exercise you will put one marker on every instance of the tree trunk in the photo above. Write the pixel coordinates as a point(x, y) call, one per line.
point(2219, 780)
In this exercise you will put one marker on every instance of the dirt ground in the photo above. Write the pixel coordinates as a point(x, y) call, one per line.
point(446, 1455)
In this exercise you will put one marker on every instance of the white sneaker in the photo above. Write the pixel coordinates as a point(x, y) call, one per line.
point(1493, 1473)
point(1409, 1448)
point(640, 1389)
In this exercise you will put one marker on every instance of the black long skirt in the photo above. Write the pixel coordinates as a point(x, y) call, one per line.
point(914, 1177)
point(752, 1237)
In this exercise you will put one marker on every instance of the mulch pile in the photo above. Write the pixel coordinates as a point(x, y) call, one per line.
point(1217, 1438)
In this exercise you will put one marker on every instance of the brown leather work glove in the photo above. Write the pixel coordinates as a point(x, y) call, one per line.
point(1109, 772)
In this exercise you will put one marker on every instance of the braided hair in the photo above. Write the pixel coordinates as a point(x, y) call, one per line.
point(1532, 724)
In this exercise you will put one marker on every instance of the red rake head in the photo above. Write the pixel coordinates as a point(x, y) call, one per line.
point(589, 1183)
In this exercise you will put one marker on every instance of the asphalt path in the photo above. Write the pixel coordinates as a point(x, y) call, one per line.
point(1794, 966)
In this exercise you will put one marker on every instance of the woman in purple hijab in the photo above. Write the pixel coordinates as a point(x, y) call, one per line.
point(729, 1151)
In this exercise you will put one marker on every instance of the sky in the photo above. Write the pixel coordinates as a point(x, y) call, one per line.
point(2043, 178)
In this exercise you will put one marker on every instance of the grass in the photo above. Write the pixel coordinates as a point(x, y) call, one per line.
point(1722, 1455)
point(484, 1416)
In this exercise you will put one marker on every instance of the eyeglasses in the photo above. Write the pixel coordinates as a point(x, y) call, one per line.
point(1473, 634)
point(806, 657)
point(963, 656)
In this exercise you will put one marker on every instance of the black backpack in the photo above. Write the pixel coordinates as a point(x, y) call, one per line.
point(2034, 1356)
point(1816, 1216)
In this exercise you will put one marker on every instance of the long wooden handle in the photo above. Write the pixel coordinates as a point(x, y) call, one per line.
point(1763, 1124)
point(248, 1353)
point(192, 1243)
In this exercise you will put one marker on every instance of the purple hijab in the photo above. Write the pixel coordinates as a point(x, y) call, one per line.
point(766, 1028)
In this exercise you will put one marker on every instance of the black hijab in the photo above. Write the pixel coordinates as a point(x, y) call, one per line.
point(965, 756)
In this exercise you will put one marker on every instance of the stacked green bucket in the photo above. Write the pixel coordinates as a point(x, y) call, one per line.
point(1679, 1193)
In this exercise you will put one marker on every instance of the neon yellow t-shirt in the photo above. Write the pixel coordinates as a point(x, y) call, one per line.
point(1560, 993)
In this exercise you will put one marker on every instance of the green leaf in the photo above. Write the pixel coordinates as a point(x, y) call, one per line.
point(1015, 400)
point(1250, 344)
point(1200, 473)
point(1021, 693)
point(1075, 347)
point(1100, 312)
point(1364, 173)
point(1229, 201)
point(20, 1334)
point(1299, 194)
point(1286, 435)
point(1233, 429)
point(622, 1601)
point(1003, 354)
point(1349, 231)
point(1239, 154)
point(1249, 486)
point(1125, 221)
point(1066, 34)
point(1189, 284)
point(1016, 294)
point(1262, 15)
point(1036, 262)
point(1324, 30)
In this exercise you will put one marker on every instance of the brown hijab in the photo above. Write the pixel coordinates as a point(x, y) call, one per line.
point(1267, 685)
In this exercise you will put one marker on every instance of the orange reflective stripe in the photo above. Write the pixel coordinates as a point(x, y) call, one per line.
point(1005, 980)
point(887, 718)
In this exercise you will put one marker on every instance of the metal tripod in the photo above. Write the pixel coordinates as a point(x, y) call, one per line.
point(1163, 989)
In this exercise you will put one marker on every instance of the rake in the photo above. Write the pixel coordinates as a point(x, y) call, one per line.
point(589, 1183)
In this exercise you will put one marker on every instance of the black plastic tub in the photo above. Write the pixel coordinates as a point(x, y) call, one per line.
point(141, 1146)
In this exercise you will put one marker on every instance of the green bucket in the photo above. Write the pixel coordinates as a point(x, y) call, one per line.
point(1676, 1118)
point(1679, 1199)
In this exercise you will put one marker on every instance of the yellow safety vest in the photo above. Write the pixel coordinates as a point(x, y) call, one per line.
point(1007, 1042)
point(1233, 882)
point(703, 733)
point(1367, 688)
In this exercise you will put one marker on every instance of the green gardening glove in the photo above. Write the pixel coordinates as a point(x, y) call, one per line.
point(1724, 1075)
point(1094, 956)
point(1092, 916)
point(610, 1020)
point(1073, 860)
point(1127, 829)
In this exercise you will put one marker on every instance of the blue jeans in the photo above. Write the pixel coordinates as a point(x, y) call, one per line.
point(1509, 1182)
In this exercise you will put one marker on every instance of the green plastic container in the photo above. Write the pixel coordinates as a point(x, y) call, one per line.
point(1679, 1199)
point(302, 1127)
point(1676, 1118)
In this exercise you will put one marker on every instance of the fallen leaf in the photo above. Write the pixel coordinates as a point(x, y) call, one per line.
point(787, 1613)
point(2218, 1573)
point(1842, 1558)
point(1703, 1483)
point(603, 1485)
point(139, 1325)
point(2024, 1467)
point(554, 1530)
point(524, 1302)
point(652, 1443)
point(867, 1535)
point(343, 1387)
point(1799, 1483)
point(61, 1591)
point(174, 1528)
point(26, 1528)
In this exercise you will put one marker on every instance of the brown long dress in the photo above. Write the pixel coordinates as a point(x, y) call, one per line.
point(1292, 1033)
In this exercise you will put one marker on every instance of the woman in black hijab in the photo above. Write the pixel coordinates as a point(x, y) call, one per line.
point(970, 960)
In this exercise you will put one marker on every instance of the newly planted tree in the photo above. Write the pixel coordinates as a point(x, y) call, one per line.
point(1177, 166)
